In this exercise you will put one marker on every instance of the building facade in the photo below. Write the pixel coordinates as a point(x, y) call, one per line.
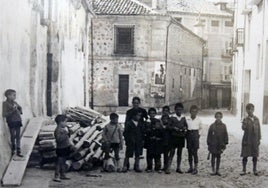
point(214, 23)
point(142, 53)
point(250, 60)
point(44, 57)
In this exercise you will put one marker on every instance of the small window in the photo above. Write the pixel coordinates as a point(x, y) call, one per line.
point(203, 21)
point(124, 40)
point(185, 71)
point(190, 72)
point(228, 24)
point(179, 19)
point(173, 83)
point(215, 23)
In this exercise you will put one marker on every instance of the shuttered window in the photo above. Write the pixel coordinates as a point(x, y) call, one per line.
point(124, 40)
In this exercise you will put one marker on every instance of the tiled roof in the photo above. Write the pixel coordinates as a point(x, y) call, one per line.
point(195, 6)
point(120, 7)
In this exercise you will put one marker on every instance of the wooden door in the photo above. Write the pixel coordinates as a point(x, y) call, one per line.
point(123, 90)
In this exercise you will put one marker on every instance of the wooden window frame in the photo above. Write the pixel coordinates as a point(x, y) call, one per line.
point(122, 50)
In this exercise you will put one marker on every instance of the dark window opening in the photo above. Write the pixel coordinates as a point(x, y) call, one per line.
point(124, 40)
point(228, 23)
point(215, 23)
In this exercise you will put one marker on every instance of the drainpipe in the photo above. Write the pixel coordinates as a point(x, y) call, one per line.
point(92, 65)
point(166, 57)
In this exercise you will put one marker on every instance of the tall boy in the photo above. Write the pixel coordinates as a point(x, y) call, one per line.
point(12, 112)
point(64, 147)
point(134, 137)
point(194, 126)
point(177, 129)
point(112, 136)
point(251, 139)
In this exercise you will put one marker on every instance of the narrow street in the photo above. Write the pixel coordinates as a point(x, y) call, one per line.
point(230, 168)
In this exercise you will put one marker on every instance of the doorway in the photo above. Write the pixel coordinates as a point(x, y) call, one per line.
point(123, 90)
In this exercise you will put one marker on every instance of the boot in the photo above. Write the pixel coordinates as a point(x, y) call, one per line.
point(158, 165)
point(178, 170)
point(64, 177)
point(218, 167)
point(117, 166)
point(19, 153)
point(137, 165)
point(195, 171)
point(190, 170)
point(56, 178)
point(255, 167)
point(244, 163)
point(125, 165)
point(104, 165)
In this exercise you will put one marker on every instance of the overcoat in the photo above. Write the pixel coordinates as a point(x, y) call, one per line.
point(217, 138)
point(251, 138)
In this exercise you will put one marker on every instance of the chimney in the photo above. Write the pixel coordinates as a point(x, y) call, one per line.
point(159, 5)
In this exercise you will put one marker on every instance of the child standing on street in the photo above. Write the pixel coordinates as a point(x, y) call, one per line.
point(64, 147)
point(166, 142)
point(194, 126)
point(177, 129)
point(134, 137)
point(12, 112)
point(217, 139)
point(113, 139)
point(154, 135)
point(251, 139)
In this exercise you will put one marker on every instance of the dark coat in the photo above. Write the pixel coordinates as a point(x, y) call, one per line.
point(217, 138)
point(134, 135)
point(251, 138)
point(130, 112)
point(178, 130)
point(154, 137)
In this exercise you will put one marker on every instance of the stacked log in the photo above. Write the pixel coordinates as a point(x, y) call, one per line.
point(85, 128)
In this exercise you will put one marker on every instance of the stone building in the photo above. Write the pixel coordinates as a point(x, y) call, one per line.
point(250, 60)
point(141, 52)
point(44, 57)
point(214, 23)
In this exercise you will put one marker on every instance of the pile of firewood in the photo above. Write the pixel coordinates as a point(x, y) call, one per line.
point(85, 127)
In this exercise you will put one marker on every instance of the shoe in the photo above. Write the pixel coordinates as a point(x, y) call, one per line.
point(218, 173)
point(124, 169)
point(148, 170)
point(167, 171)
point(19, 155)
point(213, 174)
point(190, 170)
point(256, 173)
point(243, 173)
point(159, 171)
point(63, 177)
point(179, 171)
point(57, 179)
point(138, 170)
point(195, 172)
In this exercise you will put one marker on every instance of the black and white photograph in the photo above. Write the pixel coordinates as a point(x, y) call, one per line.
point(134, 93)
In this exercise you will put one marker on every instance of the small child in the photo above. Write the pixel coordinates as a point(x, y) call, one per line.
point(64, 147)
point(251, 139)
point(166, 110)
point(113, 138)
point(134, 137)
point(177, 129)
point(194, 126)
point(12, 112)
point(217, 140)
point(154, 135)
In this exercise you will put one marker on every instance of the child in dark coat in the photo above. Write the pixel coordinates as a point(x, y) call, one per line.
point(251, 139)
point(12, 112)
point(217, 139)
point(154, 135)
point(166, 142)
point(134, 137)
point(177, 129)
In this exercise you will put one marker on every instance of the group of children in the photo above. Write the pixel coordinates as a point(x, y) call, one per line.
point(143, 130)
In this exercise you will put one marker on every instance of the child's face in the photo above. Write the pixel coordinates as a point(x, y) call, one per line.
point(250, 111)
point(178, 111)
point(165, 111)
point(152, 114)
point(114, 120)
point(136, 103)
point(12, 96)
point(137, 117)
point(193, 113)
point(218, 117)
point(63, 123)
point(165, 120)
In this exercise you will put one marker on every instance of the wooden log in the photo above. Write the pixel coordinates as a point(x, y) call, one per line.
point(83, 131)
point(88, 142)
point(79, 155)
point(97, 154)
point(47, 142)
point(67, 165)
point(78, 164)
point(74, 128)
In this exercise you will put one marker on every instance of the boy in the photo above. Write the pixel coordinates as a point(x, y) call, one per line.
point(64, 147)
point(166, 143)
point(165, 110)
point(113, 138)
point(194, 126)
point(154, 136)
point(133, 134)
point(217, 140)
point(12, 112)
point(251, 139)
point(178, 129)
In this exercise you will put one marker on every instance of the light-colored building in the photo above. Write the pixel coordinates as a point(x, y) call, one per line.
point(250, 60)
point(214, 23)
point(141, 52)
point(44, 57)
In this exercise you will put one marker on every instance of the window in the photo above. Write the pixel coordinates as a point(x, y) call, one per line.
point(124, 40)
point(215, 23)
point(258, 67)
point(228, 24)
point(185, 71)
point(179, 19)
point(240, 37)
